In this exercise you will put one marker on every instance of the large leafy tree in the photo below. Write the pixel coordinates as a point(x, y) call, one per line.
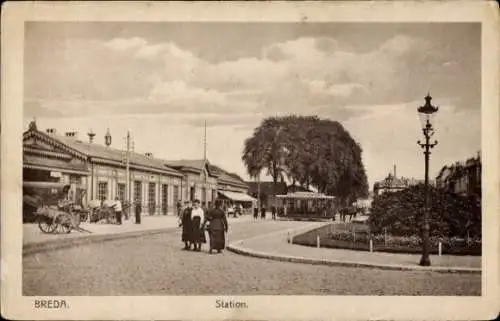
point(308, 150)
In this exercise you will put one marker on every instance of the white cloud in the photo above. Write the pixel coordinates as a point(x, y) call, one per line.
point(295, 74)
point(180, 92)
point(400, 44)
point(121, 44)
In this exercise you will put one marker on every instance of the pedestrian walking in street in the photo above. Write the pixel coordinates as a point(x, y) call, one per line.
point(197, 218)
point(138, 211)
point(263, 213)
point(255, 213)
point(179, 209)
point(273, 212)
point(217, 227)
point(186, 223)
point(118, 210)
point(237, 210)
point(231, 211)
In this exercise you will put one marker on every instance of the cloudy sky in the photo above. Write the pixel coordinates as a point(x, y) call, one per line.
point(161, 81)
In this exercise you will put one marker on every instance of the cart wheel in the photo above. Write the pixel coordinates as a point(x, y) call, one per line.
point(47, 224)
point(64, 223)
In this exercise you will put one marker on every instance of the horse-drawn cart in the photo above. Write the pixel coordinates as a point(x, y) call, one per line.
point(104, 213)
point(47, 204)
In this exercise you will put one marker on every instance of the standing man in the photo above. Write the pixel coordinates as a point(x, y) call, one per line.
point(263, 213)
point(118, 210)
point(138, 210)
point(273, 212)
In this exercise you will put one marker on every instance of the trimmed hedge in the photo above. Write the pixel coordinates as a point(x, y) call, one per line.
point(343, 238)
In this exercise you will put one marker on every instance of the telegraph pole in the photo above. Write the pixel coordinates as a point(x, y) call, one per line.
point(258, 191)
point(205, 142)
point(204, 197)
point(127, 169)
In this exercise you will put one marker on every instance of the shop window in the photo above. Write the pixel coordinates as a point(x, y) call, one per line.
point(120, 191)
point(151, 198)
point(164, 199)
point(102, 191)
point(176, 194)
point(137, 192)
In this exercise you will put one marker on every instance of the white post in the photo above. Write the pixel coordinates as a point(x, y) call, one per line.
point(371, 245)
point(317, 241)
point(440, 248)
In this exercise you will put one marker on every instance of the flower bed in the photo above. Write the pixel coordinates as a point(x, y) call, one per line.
point(345, 238)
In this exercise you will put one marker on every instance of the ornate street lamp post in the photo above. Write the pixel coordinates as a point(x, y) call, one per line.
point(425, 113)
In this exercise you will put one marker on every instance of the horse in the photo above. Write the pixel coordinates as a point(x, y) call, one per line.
point(350, 211)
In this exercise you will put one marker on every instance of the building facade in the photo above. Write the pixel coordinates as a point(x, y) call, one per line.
point(462, 177)
point(392, 183)
point(97, 173)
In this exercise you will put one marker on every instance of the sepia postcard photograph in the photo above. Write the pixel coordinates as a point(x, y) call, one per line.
point(238, 160)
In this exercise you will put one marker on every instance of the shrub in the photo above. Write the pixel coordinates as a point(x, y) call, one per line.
point(400, 213)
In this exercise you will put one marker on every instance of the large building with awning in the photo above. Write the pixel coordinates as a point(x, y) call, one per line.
point(98, 172)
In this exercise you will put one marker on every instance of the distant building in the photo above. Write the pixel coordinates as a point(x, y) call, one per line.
point(267, 191)
point(462, 177)
point(392, 183)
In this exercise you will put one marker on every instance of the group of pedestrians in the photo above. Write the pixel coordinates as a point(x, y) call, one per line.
point(195, 220)
point(263, 213)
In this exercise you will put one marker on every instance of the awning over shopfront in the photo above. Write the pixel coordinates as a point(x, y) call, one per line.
point(306, 196)
point(56, 165)
point(238, 197)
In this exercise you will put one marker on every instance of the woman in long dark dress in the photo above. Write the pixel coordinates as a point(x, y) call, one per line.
point(187, 229)
point(217, 227)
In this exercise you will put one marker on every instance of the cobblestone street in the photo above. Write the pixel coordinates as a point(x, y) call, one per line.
point(156, 265)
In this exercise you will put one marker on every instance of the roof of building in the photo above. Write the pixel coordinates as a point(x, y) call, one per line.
point(391, 182)
point(116, 156)
point(97, 152)
point(182, 163)
point(228, 177)
point(109, 153)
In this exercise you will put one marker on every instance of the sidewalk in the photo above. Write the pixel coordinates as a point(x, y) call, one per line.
point(34, 237)
point(276, 246)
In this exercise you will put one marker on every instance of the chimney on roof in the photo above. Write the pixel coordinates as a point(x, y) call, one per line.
point(51, 131)
point(91, 135)
point(107, 138)
point(395, 171)
point(149, 154)
point(73, 135)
